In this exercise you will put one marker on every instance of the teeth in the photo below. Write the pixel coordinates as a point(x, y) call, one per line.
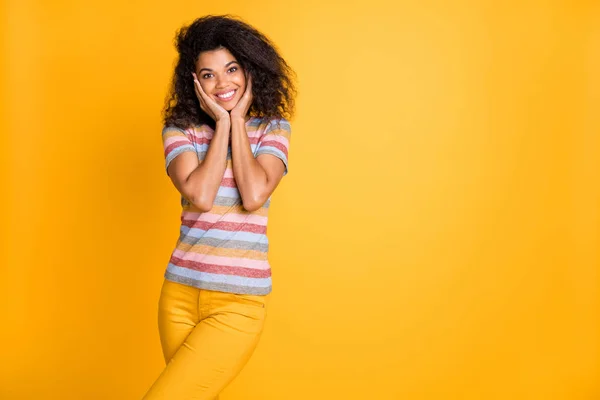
point(226, 95)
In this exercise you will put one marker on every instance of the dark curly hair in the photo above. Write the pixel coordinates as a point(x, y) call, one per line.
point(273, 87)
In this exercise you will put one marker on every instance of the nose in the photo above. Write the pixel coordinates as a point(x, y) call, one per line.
point(221, 82)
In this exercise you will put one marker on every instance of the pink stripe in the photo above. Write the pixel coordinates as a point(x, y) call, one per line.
point(277, 145)
point(195, 136)
point(228, 173)
point(228, 182)
point(173, 139)
point(206, 131)
point(175, 145)
point(251, 130)
point(255, 133)
point(219, 260)
point(226, 226)
point(219, 269)
point(277, 138)
point(200, 136)
point(230, 217)
point(194, 216)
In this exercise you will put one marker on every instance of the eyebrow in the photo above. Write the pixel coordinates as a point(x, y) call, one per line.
point(226, 65)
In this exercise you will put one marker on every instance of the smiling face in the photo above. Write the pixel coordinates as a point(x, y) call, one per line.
point(221, 77)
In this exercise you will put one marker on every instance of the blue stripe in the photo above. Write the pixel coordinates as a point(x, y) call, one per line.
point(254, 121)
point(177, 151)
point(224, 235)
point(272, 150)
point(225, 191)
point(219, 278)
point(169, 128)
point(281, 124)
point(204, 147)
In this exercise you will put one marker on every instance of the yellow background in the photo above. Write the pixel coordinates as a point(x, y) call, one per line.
point(437, 236)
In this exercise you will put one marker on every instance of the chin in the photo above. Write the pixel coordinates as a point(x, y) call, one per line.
point(229, 107)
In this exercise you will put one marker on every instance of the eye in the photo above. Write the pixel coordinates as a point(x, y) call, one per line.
point(233, 69)
point(205, 76)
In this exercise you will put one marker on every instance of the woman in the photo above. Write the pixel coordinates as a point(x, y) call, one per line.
point(226, 141)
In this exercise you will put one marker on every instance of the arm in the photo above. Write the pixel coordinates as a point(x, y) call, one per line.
point(199, 182)
point(256, 178)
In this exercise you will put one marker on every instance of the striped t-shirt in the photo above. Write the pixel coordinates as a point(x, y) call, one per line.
point(224, 249)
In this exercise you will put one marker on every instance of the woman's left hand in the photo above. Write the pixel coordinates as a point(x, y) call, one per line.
point(241, 108)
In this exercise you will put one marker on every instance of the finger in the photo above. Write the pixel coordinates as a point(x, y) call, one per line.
point(249, 89)
point(208, 101)
point(248, 83)
point(198, 94)
point(199, 86)
point(210, 105)
point(201, 97)
point(196, 80)
point(203, 104)
point(198, 89)
point(201, 101)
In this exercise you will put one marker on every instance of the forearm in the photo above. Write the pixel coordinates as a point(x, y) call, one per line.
point(203, 183)
point(250, 177)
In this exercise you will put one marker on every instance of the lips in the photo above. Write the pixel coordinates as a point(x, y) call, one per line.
point(226, 96)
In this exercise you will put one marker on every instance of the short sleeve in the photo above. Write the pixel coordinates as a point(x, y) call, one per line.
point(276, 141)
point(175, 141)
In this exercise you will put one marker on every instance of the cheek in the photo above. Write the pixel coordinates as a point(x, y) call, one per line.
point(240, 80)
point(207, 86)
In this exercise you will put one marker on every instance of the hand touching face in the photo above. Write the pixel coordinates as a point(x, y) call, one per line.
point(243, 105)
point(208, 104)
point(221, 77)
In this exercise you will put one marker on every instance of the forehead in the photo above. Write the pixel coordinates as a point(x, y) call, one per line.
point(214, 58)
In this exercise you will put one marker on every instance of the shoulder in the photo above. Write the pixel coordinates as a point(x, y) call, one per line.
point(195, 130)
point(277, 124)
point(172, 129)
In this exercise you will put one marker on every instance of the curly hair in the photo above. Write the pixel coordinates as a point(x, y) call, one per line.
point(273, 87)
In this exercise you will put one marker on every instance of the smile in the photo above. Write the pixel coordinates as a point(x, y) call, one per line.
point(226, 96)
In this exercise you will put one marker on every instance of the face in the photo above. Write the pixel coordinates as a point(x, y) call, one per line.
point(221, 77)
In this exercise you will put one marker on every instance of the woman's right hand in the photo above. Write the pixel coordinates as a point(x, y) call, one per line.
point(208, 105)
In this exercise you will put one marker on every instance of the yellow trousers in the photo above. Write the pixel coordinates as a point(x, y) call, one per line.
point(207, 337)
